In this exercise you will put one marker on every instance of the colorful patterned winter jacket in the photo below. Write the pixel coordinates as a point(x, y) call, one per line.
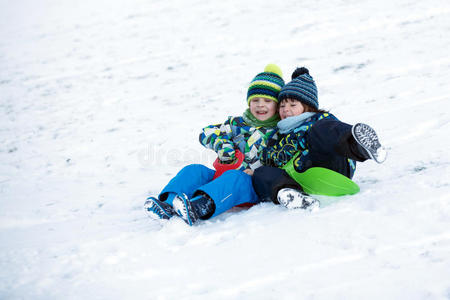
point(235, 133)
point(279, 153)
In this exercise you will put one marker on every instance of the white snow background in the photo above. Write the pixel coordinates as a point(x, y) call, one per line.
point(101, 103)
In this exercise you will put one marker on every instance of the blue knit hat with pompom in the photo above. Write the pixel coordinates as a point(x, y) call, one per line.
point(301, 88)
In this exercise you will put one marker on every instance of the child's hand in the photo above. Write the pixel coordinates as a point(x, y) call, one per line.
point(248, 172)
point(225, 150)
point(226, 155)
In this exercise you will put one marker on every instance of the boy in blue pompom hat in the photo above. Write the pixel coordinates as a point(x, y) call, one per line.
point(192, 194)
point(317, 137)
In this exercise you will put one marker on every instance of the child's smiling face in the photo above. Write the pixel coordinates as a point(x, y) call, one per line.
point(290, 107)
point(263, 108)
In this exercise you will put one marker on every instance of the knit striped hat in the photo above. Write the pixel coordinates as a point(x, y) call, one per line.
point(266, 84)
point(302, 88)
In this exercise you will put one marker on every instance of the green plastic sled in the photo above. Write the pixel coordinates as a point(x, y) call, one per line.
point(322, 181)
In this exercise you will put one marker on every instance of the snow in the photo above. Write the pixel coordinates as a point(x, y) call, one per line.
point(101, 103)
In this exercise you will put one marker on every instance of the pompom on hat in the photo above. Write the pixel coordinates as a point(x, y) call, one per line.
point(301, 88)
point(267, 84)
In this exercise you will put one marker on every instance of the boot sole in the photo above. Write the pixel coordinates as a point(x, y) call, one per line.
point(298, 200)
point(375, 150)
point(151, 202)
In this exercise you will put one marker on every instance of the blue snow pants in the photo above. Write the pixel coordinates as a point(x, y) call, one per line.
point(232, 188)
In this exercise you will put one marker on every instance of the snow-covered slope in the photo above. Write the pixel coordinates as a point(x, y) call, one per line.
point(101, 103)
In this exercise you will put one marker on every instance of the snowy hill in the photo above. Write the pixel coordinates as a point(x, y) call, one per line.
point(101, 103)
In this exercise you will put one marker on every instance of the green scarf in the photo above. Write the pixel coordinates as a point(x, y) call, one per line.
point(250, 119)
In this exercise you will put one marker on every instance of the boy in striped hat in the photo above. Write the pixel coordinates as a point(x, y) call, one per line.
point(192, 194)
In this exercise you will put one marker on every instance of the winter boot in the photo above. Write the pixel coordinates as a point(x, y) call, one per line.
point(157, 209)
point(368, 139)
point(200, 207)
point(292, 198)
